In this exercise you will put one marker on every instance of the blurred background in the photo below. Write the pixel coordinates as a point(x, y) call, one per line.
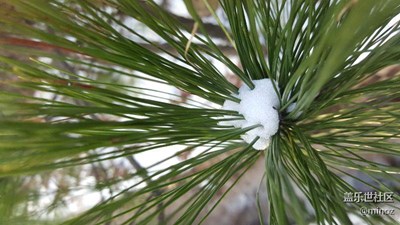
point(65, 192)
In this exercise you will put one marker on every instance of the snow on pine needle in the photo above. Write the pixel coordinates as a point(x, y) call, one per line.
point(260, 109)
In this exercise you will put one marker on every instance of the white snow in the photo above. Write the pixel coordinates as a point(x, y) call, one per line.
point(259, 107)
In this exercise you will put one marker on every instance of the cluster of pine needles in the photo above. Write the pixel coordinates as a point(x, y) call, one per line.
point(324, 55)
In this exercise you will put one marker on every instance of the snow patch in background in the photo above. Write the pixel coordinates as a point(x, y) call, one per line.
point(259, 107)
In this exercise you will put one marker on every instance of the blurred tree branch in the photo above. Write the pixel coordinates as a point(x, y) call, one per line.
point(212, 29)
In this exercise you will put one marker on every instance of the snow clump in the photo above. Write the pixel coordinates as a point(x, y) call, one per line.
point(259, 107)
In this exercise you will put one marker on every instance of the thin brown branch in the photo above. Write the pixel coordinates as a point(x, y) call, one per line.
point(212, 29)
point(21, 42)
